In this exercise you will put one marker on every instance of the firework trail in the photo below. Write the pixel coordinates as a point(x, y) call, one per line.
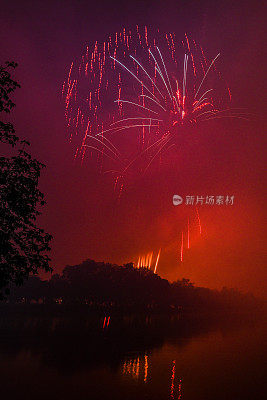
point(193, 226)
point(157, 261)
point(132, 97)
point(182, 248)
point(199, 222)
point(146, 261)
point(129, 98)
point(188, 234)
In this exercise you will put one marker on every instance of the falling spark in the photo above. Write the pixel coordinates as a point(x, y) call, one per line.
point(157, 261)
point(146, 261)
point(182, 247)
point(199, 222)
point(188, 237)
point(155, 115)
point(109, 94)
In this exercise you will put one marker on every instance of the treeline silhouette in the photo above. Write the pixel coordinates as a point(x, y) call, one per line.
point(104, 286)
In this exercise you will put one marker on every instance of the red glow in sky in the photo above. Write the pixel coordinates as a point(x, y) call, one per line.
point(224, 158)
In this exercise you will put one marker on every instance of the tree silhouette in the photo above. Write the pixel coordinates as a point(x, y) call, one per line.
point(104, 287)
point(23, 245)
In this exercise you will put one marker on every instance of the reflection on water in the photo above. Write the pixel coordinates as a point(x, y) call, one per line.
point(106, 322)
point(179, 384)
point(138, 368)
point(76, 355)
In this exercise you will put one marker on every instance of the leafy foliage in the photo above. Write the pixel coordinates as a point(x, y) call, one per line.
point(107, 286)
point(23, 244)
point(7, 86)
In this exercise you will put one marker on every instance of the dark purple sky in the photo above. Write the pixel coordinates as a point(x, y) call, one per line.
point(82, 213)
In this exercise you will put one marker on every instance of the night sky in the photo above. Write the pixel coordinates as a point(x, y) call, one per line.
point(226, 157)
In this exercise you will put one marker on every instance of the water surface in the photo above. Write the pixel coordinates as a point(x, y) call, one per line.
point(81, 356)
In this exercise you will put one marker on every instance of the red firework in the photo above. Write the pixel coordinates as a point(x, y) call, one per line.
point(138, 91)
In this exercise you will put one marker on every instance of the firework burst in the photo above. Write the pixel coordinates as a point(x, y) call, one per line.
point(131, 97)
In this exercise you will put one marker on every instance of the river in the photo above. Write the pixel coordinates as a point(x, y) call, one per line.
point(131, 357)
